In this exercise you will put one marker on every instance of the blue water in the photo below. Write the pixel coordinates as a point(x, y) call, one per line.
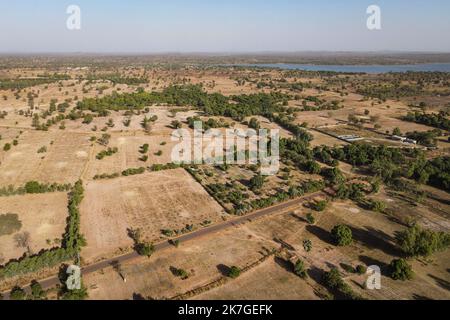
point(443, 67)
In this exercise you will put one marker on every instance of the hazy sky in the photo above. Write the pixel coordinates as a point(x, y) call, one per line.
point(223, 25)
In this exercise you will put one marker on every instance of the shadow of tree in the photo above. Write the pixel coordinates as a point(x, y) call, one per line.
point(284, 244)
point(296, 216)
point(376, 239)
point(420, 297)
point(138, 296)
point(315, 274)
point(368, 261)
point(286, 265)
point(320, 233)
point(441, 282)
point(223, 269)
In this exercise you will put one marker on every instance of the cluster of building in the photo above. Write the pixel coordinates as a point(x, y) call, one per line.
point(351, 138)
point(403, 139)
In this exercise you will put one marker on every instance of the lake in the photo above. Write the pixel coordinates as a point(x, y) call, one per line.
point(426, 67)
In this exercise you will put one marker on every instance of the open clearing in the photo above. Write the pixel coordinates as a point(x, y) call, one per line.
point(152, 201)
point(43, 216)
point(63, 161)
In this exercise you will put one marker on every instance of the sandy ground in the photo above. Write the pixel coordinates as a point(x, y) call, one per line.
point(268, 281)
point(43, 216)
point(63, 162)
point(152, 202)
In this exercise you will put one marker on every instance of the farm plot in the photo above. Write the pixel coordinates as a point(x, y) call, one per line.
point(129, 153)
point(34, 222)
point(166, 200)
point(45, 157)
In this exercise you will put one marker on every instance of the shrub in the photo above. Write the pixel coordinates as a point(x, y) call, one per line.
point(145, 249)
point(307, 245)
point(234, 272)
point(400, 270)
point(310, 218)
point(183, 274)
point(319, 205)
point(17, 293)
point(342, 235)
point(334, 281)
point(377, 206)
point(42, 149)
point(133, 171)
point(256, 182)
point(300, 270)
point(36, 290)
point(360, 269)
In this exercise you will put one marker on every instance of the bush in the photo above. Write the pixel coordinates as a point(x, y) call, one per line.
point(334, 281)
point(300, 270)
point(342, 235)
point(310, 218)
point(145, 249)
point(36, 291)
point(377, 206)
point(183, 274)
point(400, 270)
point(133, 171)
point(17, 293)
point(319, 205)
point(307, 245)
point(360, 269)
point(234, 272)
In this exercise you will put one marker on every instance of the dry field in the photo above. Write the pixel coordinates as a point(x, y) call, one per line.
point(43, 216)
point(152, 202)
point(203, 259)
point(268, 281)
point(374, 244)
point(63, 162)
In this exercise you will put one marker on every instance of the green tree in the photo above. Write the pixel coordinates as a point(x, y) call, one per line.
point(397, 132)
point(400, 270)
point(342, 235)
point(416, 241)
point(145, 249)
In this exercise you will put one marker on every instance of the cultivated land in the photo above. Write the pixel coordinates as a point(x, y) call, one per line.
point(153, 202)
point(63, 120)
